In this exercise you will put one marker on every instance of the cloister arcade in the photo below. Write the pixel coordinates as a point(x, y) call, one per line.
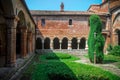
point(63, 43)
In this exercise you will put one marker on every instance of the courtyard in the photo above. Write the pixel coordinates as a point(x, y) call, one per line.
point(71, 66)
point(61, 42)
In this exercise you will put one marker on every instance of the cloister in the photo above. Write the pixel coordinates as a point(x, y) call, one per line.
point(63, 43)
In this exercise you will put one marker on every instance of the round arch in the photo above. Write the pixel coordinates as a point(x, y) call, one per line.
point(39, 43)
point(56, 43)
point(64, 43)
point(82, 43)
point(74, 43)
point(47, 43)
point(19, 39)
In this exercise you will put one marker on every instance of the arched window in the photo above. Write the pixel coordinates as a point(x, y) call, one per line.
point(56, 43)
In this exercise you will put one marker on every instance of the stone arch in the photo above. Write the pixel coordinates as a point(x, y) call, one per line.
point(22, 20)
point(39, 43)
point(82, 43)
point(20, 37)
point(116, 21)
point(56, 43)
point(64, 43)
point(47, 43)
point(74, 43)
point(116, 17)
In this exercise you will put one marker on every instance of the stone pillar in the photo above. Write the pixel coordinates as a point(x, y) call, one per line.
point(29, 42)
point(78, 41)
point(60, 44)
point(51, 44)
point(23, 41)
point(11, 41)
point(42, 44)
point(86, 45)
point(69, 45)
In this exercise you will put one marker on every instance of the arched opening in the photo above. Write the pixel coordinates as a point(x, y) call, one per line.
point(19, 37)
point(82, 43)
point(2, 45)
point(117, 36)
point(64, 43)
point(47, 43)
point(74, 43)
point(39, 43)
point(56, 43)
point(18, 43)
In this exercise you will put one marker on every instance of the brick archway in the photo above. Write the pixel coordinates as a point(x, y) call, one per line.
point(56, 43)
point(47, 43)
point(21, 36)
point(64, 43)
point(82, 43)
point(39, 43)
point(74, 43)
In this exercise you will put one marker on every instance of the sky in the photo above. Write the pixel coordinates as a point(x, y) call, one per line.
point(69, 5)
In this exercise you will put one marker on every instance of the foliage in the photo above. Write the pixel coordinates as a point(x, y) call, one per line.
point(45, 69)
point(95, 41)
point(109, 48)
point(58, 56)
point(115, 51)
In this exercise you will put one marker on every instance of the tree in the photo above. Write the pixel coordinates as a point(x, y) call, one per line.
point(95, 41)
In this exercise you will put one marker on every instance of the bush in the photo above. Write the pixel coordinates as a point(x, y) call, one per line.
point(95, 42)
point(115, 51)
point(58, 56)
point(90, 77)
point(109, 48)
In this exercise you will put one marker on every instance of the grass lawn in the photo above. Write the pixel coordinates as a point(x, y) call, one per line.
point(60, 66)
point(112, 59)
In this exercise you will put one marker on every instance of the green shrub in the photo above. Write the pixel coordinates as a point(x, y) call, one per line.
point(90, 77)
point(58, 56)
point(109, 48)
point(95, 42)
point(115, 51)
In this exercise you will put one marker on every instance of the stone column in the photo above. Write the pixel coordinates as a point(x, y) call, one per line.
point(51, 44)
point(11, 41)
point(29, 41)
point(78, 41)
point(69, 45)
point(60, 44)
point(23, 41)
point(42, 44)
point(86, 45)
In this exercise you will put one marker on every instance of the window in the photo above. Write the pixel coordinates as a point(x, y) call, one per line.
point(42, 22)
point(70, 21)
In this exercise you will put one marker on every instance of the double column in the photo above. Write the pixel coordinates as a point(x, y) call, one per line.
point(69, 45)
